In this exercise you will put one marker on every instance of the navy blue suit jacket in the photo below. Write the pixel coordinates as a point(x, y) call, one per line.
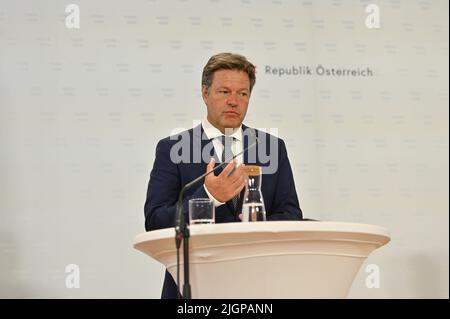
point(168, 177)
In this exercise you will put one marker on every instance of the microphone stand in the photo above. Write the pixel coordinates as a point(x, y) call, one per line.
point(182, 233)
point(182, 228)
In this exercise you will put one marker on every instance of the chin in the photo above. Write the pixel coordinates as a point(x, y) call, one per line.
point(231, 124)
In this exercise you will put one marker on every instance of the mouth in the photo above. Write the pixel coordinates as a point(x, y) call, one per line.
point(231, 113)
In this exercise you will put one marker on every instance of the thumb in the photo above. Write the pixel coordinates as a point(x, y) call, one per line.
point(211, 164)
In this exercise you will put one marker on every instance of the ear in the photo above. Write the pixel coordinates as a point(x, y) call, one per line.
point(204, 93)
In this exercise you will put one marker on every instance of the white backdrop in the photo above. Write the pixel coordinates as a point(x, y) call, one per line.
point(81, 111)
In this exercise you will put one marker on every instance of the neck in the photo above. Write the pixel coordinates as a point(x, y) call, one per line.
point(223, 130)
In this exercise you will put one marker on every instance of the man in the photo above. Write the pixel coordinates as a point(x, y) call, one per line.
point(227, 83)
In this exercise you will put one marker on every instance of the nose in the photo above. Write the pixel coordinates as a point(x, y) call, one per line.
point(232, 100)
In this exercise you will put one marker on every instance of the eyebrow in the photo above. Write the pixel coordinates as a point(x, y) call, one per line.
point(227, 88)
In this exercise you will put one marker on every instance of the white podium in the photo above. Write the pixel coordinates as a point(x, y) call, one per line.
point(277, 259)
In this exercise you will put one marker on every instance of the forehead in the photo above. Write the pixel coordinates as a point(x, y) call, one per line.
point(231, 78)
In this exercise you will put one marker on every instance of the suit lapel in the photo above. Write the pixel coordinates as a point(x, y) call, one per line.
point(206, 148)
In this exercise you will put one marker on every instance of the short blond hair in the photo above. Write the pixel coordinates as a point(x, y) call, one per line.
point(227, 61)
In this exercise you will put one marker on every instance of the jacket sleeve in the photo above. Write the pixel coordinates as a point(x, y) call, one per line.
point(285, 205)
point(163, 190)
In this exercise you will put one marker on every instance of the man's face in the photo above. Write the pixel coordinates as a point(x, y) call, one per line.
point(227, 98)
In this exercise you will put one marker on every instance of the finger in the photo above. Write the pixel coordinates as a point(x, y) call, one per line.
point(237, 187)
point(209, 168)
point(235, 179)
point(237, 174)
point(227, 170)
point(210, 165)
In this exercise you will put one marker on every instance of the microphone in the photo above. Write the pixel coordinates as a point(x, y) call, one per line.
point(182, 231)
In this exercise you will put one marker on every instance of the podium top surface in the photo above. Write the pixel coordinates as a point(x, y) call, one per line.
point(235, 232)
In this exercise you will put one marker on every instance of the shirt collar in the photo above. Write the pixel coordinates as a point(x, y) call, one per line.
point(212, 132)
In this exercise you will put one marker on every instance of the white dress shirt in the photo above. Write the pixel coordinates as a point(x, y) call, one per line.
point(215, 134)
